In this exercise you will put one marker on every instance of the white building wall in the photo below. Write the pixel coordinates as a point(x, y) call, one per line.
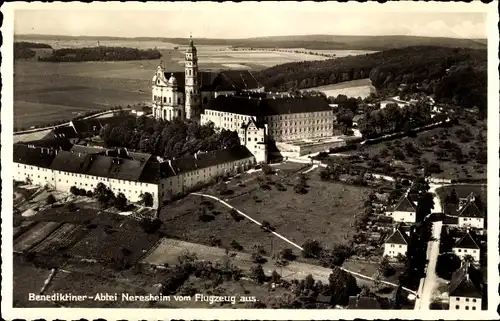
point(475, 222)
point(463, 252)
point(37, 175)
point(392, 250)
point(399, 216)
point(465, 303)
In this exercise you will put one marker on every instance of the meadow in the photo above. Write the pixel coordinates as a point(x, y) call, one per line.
point(354, 88)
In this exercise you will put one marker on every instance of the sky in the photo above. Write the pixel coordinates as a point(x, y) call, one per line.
point(231, 20)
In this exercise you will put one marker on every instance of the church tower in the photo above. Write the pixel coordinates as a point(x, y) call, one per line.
point(192, 88)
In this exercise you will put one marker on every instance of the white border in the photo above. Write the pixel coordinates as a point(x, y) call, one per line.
point(232, 314)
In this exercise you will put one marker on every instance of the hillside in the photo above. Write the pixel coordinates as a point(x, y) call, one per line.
point(317, 42)
point(435, 70)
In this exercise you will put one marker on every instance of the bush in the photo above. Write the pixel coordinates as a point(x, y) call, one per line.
point(90, 194)
point(287, 254)
point(146, 199)
point(237, 246)
point(73, 190)
point(257, 274)
point(214, 241)
point(312, 248)
point(267, 227)
point(150, 225)
point(266, 169)
point(120, 202)
point(235, 215)
point(385, 268)
point(50, 199)
point(82, 192)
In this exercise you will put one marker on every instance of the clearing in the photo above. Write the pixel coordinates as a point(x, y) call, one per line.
point(355, 88)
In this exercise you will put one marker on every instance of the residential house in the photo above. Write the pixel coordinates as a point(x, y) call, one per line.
point(467, 245)
point(397, 243)
point(470, 215)
point(404, 211)
point(464, 291)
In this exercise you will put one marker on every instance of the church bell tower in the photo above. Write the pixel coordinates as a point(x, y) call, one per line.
point(192, 88)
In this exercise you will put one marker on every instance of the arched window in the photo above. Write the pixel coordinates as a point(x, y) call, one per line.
point(164, 99)
point(189, 72)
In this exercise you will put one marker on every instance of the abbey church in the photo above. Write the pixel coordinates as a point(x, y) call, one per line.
point(185, 94)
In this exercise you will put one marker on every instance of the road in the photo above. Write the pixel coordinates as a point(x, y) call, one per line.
point(430, 283)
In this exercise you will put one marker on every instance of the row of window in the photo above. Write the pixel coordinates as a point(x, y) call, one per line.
point(465, 251)
point(457, 307)
point(400, 246)
point(255, 139)
point(117, 189)
point(300, 115)
point(295, 123)
point(299, 130)
point(467, 299)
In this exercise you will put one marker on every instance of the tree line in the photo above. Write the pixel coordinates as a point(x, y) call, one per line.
point(169, 139)
point(23, 49)
point(435, 70)
point(101, 54)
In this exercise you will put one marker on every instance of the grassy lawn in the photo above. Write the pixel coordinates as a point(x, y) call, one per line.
point(431, 146)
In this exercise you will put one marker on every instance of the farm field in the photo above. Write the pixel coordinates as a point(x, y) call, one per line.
point(119, 245)
point(27, 279)
point(437, 145)
point(48, 92)
point(34, 235)
point(62, 239)
point(355, 88)
point(325, 213)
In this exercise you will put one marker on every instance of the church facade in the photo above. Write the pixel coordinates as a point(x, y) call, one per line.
point(185, 94)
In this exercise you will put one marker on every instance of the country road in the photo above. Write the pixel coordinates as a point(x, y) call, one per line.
point(430, 283)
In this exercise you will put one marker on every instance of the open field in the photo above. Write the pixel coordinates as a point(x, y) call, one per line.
point(62, 239)
point(35, 235)
point(120, 245)
point(325, 213)
point(46, 92)
point(355, 88)
point(27, 279)
point(438, 145)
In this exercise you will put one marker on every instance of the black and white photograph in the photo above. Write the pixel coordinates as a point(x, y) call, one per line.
point(224, 160)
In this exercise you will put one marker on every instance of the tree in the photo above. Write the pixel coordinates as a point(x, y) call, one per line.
point(151, 225)
point(120, 202)
point(257, 274)
point(309, 282)
point(73, 190)
point(237, 246)
point(447, 263)
point(452, 198)
point(266, 169)
point(215, 241)
point(146, 199)
point(266, 226)
point(311, 248)
point(287, 254)
point(386, 268)
point(341, 286)
point(235, 215)
point(275, 277)
point(50, 200)
point(281, 263)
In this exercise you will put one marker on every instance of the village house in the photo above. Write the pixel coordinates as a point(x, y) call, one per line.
point(467, 245)
point(464, 292)
point(404, 211)
point(397, 243)
point(469, 215)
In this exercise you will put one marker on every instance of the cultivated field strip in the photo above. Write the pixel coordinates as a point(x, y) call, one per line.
point(63, 238)
point(35, 235)
point(111, 245)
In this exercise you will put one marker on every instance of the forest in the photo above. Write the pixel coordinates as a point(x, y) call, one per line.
point(23, 49)
point(439, 71)
point(169, 139)
point(101, 54)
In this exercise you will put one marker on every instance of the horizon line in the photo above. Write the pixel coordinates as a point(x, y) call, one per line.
point(254, 37)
